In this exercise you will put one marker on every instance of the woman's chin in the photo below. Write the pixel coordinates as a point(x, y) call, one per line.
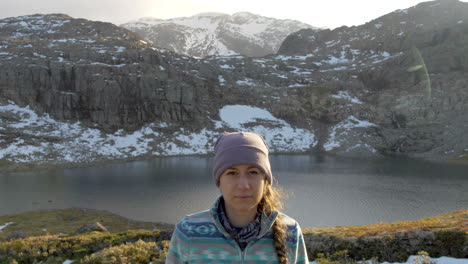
point(243, 198)
point(244, 206)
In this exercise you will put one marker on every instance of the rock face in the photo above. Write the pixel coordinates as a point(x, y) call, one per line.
point(217, 34)
point(395, 85)
point(16, 235)
point(76, 69)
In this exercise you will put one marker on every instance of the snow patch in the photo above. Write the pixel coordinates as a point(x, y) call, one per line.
point(39, 55)
point(286, 58)
point(297, 85)
point(120, 49)
point(332, 43)
point(346, 96)
point(246, 82)
point(282, 76)
point(226, 66)
point(277, 133)
point(64, 40)
point(343, 127)
point(404, 11)
point(5, 225)
point(108, 65)
point(221, 80)
point(336, 60)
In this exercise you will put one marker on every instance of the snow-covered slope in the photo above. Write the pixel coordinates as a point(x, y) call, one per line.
point(38, 138)
point(209, 34)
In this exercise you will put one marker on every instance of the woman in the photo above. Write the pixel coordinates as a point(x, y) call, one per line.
point(244, 225)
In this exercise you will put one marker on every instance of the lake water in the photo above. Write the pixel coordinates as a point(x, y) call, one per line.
point(323, 191)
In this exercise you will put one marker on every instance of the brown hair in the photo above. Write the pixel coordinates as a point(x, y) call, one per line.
point(271, 201)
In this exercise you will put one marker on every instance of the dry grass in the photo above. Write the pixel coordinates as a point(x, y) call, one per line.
point(457, 220)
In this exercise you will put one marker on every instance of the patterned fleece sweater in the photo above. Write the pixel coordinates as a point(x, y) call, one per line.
point(200, 238)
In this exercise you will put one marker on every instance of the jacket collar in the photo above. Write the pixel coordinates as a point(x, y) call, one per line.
point(266, 221)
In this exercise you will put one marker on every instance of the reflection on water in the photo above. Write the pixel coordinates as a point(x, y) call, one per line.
point(323, 191)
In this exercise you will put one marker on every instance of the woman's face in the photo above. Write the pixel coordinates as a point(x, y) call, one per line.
point(242, 187)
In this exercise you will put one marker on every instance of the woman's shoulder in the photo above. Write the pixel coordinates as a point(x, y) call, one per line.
point(203, 216)
point(290, 222)
point(199, 219)
point(294, 232)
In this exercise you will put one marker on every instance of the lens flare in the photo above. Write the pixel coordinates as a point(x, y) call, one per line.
point(421, 66)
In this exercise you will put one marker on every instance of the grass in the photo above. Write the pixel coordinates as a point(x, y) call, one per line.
point(462, 159)
point(67, 221)
point(453, 221)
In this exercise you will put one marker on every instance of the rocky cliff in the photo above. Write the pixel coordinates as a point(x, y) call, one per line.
point(76, 69)
point(395, 85)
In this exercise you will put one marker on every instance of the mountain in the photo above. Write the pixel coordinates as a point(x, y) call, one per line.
point(74, 90)
point(397, 31)
point(408, 68)
point(217, 34)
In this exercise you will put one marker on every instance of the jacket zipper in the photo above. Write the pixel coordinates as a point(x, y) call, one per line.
point(242, 252)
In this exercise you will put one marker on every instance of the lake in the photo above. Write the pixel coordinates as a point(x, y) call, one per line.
point(323, 190)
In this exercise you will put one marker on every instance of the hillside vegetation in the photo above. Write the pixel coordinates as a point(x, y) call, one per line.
point(51, 237)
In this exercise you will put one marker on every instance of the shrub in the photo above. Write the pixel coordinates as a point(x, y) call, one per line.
point(54, 248)
point(139, 252)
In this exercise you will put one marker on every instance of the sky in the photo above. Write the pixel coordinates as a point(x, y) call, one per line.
point(324, 13)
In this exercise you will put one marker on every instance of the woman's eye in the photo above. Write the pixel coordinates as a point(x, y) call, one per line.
point(231, 173)
point(254, 172)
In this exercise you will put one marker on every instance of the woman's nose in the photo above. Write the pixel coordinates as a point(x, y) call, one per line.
point(243, 181)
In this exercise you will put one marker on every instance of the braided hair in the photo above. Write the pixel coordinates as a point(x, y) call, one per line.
point(270, 202)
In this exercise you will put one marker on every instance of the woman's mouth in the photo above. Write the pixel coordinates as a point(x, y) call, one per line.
point(242, 197)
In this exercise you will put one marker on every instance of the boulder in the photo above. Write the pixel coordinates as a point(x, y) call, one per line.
point(92, 227)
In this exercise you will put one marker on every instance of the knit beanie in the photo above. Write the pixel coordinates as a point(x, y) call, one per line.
point(237, 148)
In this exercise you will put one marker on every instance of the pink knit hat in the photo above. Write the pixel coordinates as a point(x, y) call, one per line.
point(237, 148)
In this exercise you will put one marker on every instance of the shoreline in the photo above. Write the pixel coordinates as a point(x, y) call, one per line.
point(12, 167)
point(456, 219)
